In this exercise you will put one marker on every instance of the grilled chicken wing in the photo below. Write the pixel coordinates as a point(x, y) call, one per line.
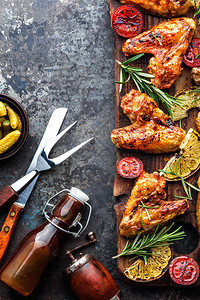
point(152, 131)
point(168, 42)
point(165, 8)
point(149, 191)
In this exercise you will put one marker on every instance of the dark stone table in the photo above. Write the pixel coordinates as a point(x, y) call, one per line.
point(60, 53)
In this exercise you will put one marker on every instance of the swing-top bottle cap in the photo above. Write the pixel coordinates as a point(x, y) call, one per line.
point(67, 212)
point(78, 194)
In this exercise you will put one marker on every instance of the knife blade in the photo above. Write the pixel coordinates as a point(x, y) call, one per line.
point(51, 131)
point(17, 207)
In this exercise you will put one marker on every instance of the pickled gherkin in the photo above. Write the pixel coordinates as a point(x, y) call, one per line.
point(10, 127)
point(19, 123)
point(2, 119)
point(9, 140)
point(3, 110)
point(12, 116)
point(6, 127)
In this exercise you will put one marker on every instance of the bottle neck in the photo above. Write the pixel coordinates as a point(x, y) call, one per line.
point(66, 211)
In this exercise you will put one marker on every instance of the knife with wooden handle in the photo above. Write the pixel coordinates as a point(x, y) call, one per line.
point(17, 207)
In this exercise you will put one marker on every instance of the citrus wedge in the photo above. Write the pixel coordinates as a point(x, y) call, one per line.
point(155, 267)
point(191, 97)
point(187, 162)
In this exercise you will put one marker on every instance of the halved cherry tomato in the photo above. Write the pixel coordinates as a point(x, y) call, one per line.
point(127, 21)
point(130, 167)
point(184, 270)
point(192, 56)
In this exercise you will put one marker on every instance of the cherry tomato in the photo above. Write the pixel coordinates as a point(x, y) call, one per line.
point(184, 270)
point(130, 167)
point(127, 21)
point(192, 56)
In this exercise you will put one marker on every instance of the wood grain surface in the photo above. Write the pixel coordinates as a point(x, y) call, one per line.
point(122, 187)
point(8, 228)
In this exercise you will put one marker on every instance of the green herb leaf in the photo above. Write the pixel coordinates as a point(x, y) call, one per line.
point(141, 220)
point(183, 181)
point(143, 85)
point(181, 197)
point(195, 100)
point(141, 246)
point(149, 207)
point(166, 172)
point(192, 186)
point(148, 215)
point(196, 9)
point(184, 186)
point(177, 163)
point(159, 41)
point(197, 56)
point(135, 57)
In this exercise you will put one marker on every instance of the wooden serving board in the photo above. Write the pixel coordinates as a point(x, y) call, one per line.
point(122, 187)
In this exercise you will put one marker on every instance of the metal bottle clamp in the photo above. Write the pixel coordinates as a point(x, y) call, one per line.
point(79, 196)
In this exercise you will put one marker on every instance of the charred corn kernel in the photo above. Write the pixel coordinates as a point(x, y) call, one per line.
point(12, 116)
point(19, 123)
point(3, 110)
point(1, 135)
point(9, 140)
point(6, 127)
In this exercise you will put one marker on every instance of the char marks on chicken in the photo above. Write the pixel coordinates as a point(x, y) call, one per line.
point(149, 191)
point(167, 42)
point(164, 8)
point(152, 131)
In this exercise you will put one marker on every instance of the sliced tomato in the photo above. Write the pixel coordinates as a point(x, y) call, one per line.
point(130, 167)
point(184, 270)
point(192, 56)
point(127, 21)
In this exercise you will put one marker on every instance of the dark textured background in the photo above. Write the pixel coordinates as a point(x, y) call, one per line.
point(56, 53)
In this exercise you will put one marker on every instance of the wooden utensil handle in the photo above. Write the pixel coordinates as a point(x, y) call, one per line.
point(7, 196)
point(8, 228)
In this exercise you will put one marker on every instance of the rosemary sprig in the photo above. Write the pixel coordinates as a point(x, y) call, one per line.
point(159, 41)
point(196, 9)
point(144, 85)
point(141, 246)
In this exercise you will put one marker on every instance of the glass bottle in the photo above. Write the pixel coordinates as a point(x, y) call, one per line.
point(25, 267)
